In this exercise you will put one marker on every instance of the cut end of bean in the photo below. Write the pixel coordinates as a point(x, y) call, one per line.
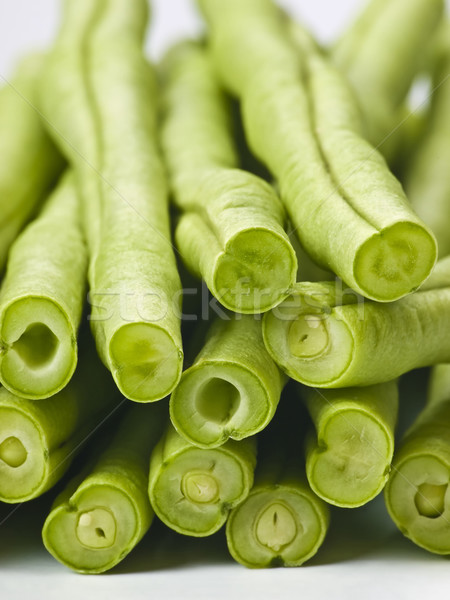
point(315, 349)
point(23, 456)
point(96, 528)
point(194, 491)
point(275, 527)
point(40, 349)
point(395, 262)
point(430, 500)
point(146, 361)
point(219, 400)
point(281, 525)
point(416, 497)
point(350, 464)
point(256, 271)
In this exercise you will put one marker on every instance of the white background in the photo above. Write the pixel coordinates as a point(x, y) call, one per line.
point(364, 556)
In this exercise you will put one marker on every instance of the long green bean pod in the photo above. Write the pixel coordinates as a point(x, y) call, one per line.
point(381, 54)
point(231, 390)
point(104, 512)
point(33, 162)
point(427, 178)
point(193, 489)
point(349, 458)
point(231, 228)
point(38, 440)
point(417, 494)
point(281, 522)
point(327, 337)
point(101, 95)
point(302, 121)
point(41, 299)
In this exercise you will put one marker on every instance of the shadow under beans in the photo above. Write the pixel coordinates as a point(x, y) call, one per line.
point(20, 529)
point(163, 549)
point(355, 532)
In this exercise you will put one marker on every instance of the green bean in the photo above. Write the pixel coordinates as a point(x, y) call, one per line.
point(103, 513)
point(427, 178)
point(101, 93)
point(231, 390)
point(381, 54)
point(38, 440)
point(193, 489)
point(281, 522)
point(327, 337)
point(302, 121)
point(41, 299)
point(416, 494)
point(33, 163)
point(231, 228)
point(349, 459)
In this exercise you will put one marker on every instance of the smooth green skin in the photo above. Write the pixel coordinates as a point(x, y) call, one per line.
point(381, 54)
point(358, 343)
point(349, 458)
point(103, 513)
point(38, 440)
point(193, 489)
point(41, 299)
point(101, 95)
point(417, 494)
point(350, 212)
point(231, 230)
point(232, 389)
point(427, 179)
point(33, 163)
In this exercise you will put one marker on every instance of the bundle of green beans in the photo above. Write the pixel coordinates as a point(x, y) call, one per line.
point(349, 211)
point(225, 446)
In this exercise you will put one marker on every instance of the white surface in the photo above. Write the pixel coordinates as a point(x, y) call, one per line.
point(364, 556)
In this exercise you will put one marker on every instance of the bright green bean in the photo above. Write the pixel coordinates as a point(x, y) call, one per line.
point(381, 54)
point(417, 493)
point(104, 512)
point(101, 93)
point(38, 440)
point(33, 163)
point(231, 390)
point(231, 228)
point(41, 299)
point(193, 489)
point(281, 522)
point(302, 121)
point(324, 336)
point(427, 179)
point(349, 458)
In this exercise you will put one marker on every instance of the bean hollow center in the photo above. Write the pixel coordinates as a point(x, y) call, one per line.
point(36, 346)
point(12, 452)
point(218, 400)
point(430, 500)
